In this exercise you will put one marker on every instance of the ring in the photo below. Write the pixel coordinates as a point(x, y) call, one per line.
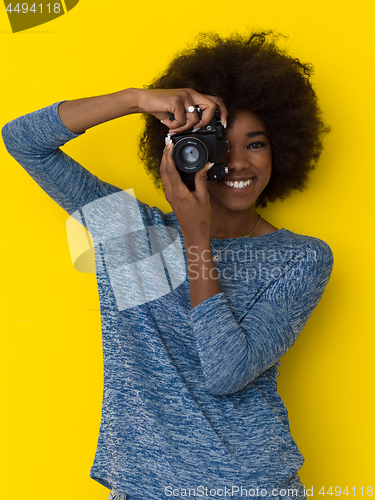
point(190, 109)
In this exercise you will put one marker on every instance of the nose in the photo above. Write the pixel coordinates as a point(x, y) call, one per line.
point(236, 159)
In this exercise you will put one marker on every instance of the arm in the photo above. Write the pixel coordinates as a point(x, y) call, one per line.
point(81, 114)
point(234, 353)
point(193, 212)
point(34, 140)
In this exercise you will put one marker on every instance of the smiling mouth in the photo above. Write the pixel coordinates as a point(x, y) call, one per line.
point(238, 184)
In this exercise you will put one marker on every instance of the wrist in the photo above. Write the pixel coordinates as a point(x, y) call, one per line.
point(129, 100)
point(197, 247)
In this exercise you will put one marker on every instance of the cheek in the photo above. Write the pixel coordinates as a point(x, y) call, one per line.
point(268, 165)
point(213, 186)
point(266, 172)
point(269, 172)
point(264, 164)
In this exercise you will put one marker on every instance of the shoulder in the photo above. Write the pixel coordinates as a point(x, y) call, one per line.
point(302, 269)
point(310, 254)
point(283, 238)
point(308, 245)
point(314, 262)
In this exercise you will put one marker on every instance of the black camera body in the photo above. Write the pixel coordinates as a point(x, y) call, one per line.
point(192, 150)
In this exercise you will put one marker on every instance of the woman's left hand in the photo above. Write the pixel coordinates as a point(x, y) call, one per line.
point(192, 208)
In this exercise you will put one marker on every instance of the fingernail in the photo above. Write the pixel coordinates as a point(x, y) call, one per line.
point(161, 121)
point(196, 129)
point(171, 133)
point(168, 141)
point(225, 124)
point(210, 165)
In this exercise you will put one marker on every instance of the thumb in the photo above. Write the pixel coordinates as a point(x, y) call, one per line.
point(200, 180)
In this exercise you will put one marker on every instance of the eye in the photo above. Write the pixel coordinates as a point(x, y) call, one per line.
point(256, 145)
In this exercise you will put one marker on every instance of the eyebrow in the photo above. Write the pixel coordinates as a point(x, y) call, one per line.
point(254, 134)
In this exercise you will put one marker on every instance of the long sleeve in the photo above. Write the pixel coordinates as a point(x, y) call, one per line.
point(234, 351)
point(158, 355)
point(34, 141)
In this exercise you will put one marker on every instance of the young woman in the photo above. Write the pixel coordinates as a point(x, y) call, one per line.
point(197, 305)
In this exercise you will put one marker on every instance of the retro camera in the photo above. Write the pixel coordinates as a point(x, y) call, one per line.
point(192, 150)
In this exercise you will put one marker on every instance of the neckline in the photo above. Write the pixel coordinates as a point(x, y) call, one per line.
point(227, 240)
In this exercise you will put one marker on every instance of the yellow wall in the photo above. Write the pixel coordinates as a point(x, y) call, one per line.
point(51, 368)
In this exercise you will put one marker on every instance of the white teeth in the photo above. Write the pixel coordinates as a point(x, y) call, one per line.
point(238, 185)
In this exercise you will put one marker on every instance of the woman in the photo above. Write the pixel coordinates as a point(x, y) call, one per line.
point(198, 305)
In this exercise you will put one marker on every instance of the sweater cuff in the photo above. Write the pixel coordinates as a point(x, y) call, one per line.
point(39, 132)
point(208, 305)
point(57, 126)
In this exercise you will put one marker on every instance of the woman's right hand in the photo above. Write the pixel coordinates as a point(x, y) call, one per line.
point(161, 102)
point(80, 114)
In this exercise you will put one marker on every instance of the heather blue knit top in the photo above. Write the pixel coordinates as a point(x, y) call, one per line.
point(190, 403)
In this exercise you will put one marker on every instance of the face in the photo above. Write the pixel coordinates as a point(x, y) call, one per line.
point(249, 161)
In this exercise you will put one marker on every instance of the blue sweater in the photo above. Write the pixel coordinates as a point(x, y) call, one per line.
point(190, 403)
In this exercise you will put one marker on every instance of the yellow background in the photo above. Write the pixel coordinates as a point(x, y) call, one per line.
point(51, 367)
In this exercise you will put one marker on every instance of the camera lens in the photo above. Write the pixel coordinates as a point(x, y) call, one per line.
point(190, 154)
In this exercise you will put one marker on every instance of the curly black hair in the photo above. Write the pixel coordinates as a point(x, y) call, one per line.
point(250, 73)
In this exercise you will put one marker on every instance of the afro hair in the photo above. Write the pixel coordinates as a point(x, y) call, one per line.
point(249, 73)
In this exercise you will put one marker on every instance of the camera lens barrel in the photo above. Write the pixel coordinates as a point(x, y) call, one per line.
point(190, 154)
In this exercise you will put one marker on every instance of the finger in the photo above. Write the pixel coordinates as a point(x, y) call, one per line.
point(170, 177)
point(222, 109)
point(208, 105)
point(180, 103)
point(193, 121)
point(179, 125)
point(192, 117)
point(185, 119)
point(200, 181)
point(165, 166)
point(182, 120)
